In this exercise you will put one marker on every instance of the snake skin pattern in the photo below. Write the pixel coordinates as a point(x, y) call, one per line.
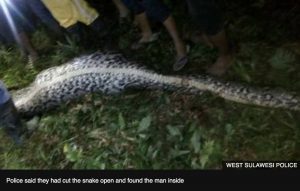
point(111, 73)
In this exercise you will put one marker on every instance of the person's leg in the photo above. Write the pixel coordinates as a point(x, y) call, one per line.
point(17, 36)
point(142, 21)
point(123, 11)
point(101, 31)
point(19, 26)
point(224, 59)
point(158, 11)
point(208, 18)
point(75, 32)
point(40, 11)
point(10, 121)
point(9, 118)
point(144, 26)
point(170, 25)
point(180, 46)
point(205, 18)
point(98, 25)
point(199, 36)
point(27, 47)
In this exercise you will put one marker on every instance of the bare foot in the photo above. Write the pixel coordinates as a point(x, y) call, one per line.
point(144, 40)
point(221, 66)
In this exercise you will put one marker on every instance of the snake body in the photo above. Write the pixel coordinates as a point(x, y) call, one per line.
point(111, 73)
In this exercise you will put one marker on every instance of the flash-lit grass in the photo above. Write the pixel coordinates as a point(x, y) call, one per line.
point(162, 130)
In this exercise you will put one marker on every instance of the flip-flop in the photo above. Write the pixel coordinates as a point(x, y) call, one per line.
point(180, 63)
point(141, 44)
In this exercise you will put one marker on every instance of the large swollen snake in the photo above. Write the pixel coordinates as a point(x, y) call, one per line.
point(111, 73)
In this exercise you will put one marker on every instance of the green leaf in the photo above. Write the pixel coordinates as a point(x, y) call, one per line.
point(72, 153)
point(177, 153)
point(145, 123)
point(195, 141)
point(229, 130)
point(282, 59)
point(174, 131)
point(121, 121)
point(207, 152)
point(204, 160)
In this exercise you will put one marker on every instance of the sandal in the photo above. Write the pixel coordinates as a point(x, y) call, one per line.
point(180, 63)
point(141, 44)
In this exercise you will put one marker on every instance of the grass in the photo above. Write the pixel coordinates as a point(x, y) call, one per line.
point(164, 130)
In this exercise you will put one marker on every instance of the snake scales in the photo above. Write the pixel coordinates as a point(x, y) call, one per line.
point(112, 73)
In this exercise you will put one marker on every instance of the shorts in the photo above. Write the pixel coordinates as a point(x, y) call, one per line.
point(206, 15)
point(155, 9)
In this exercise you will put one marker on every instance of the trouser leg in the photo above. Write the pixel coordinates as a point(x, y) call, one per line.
point(10, 120)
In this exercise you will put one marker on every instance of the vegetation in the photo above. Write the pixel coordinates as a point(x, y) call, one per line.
point(164, 130)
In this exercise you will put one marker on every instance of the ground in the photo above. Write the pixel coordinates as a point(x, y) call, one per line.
point(165, 130)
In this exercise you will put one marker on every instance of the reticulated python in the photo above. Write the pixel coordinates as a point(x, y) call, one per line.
point(111, 73)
